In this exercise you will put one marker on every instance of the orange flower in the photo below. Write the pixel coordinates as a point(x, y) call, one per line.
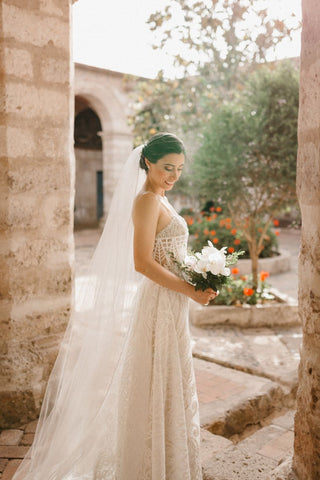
point(206, 231)
point(244, 277)
point(196, 235)
point(208, 219)
point(214, 216)
point(228, 226)
point(248, 291)
point(235, 271)
point(190, 221)
point(219, 209)
point(152, 131)
point(237, 241)
point(260, 229)
point(277, 232)
point(211, 209)
point(213, 232)
point(234, 231)
point(230, 249)
point(228, 220)
point(276, 223)
point(202, 212)
point(263, 275)
point(221, 223)
point(215, 240)
point(267, 238)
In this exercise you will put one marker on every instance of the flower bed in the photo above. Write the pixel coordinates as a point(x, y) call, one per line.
point(281, 312)
point(213, 225)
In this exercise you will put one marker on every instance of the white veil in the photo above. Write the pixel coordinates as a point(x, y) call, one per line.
point(80, 403)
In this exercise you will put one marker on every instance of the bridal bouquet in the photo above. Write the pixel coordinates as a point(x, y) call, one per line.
point(208, 268)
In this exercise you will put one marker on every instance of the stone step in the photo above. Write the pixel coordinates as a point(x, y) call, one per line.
point(257, 457)
point(231, 400)
point(271, 353)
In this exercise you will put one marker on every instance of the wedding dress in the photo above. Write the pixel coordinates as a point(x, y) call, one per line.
point(121, 401)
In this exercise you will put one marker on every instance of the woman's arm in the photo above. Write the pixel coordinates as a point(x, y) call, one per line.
point(145, 219)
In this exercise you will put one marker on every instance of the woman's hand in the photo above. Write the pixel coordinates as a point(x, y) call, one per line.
point(203, 297)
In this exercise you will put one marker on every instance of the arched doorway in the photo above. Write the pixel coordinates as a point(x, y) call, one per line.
point(88, 207)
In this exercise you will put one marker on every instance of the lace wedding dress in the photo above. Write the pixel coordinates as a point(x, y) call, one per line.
point(121, 401)
point(158, 429)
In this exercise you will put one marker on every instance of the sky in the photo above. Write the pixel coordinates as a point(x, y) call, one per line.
point(113, 34)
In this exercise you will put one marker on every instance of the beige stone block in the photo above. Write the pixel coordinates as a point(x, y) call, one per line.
point(18, 62)
point(309, 97)
point(308, 169)
point(29, 27)
point(44, 179)
point(33, 250)
point(54, 7)
point(3, 145)
point(20, 142)
point(40, 324)
point(53, 143)
point(11, 437)
point(31, 102)
point(57, 210)
point(23, 212)
point(55, 70)
point(37, 282)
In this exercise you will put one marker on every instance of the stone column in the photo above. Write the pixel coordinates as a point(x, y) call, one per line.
point(116, 149)
point(36, 189)
point(306, 462)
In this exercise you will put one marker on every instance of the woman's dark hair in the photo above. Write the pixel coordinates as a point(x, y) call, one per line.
point(158, 146)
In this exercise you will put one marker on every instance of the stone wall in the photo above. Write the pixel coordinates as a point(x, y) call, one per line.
point(307, 422)
point(36, 185)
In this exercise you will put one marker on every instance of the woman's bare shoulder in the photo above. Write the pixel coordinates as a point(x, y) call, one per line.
point(146, 201)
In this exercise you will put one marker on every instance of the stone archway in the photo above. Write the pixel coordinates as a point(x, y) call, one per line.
point(88, 208)
point(104, 91)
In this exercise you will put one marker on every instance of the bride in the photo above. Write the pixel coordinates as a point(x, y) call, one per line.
point(121, 401)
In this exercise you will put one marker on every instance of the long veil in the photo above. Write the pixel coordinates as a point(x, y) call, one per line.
point(79, 410)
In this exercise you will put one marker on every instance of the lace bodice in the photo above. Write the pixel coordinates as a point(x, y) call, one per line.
point(172, 239)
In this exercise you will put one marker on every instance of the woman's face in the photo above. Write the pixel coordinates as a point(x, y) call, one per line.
point(164, 174)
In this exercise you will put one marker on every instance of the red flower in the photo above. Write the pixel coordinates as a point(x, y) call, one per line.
point(215, 240)
point(190, 221)
point(248, 292)
point(211, 209)
point(260, 229)
point(263, 276)
point(196, 235)
point(214, 216)
point(234, 231)
point(213, 232)
point(235, 271)
point(228, 226)
point(230, 249)
point(237, 241)
point(244, 278)
point(277, 232)
point(219, 209)
point(228, 220)
point(206, 231)
point(276, 223)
